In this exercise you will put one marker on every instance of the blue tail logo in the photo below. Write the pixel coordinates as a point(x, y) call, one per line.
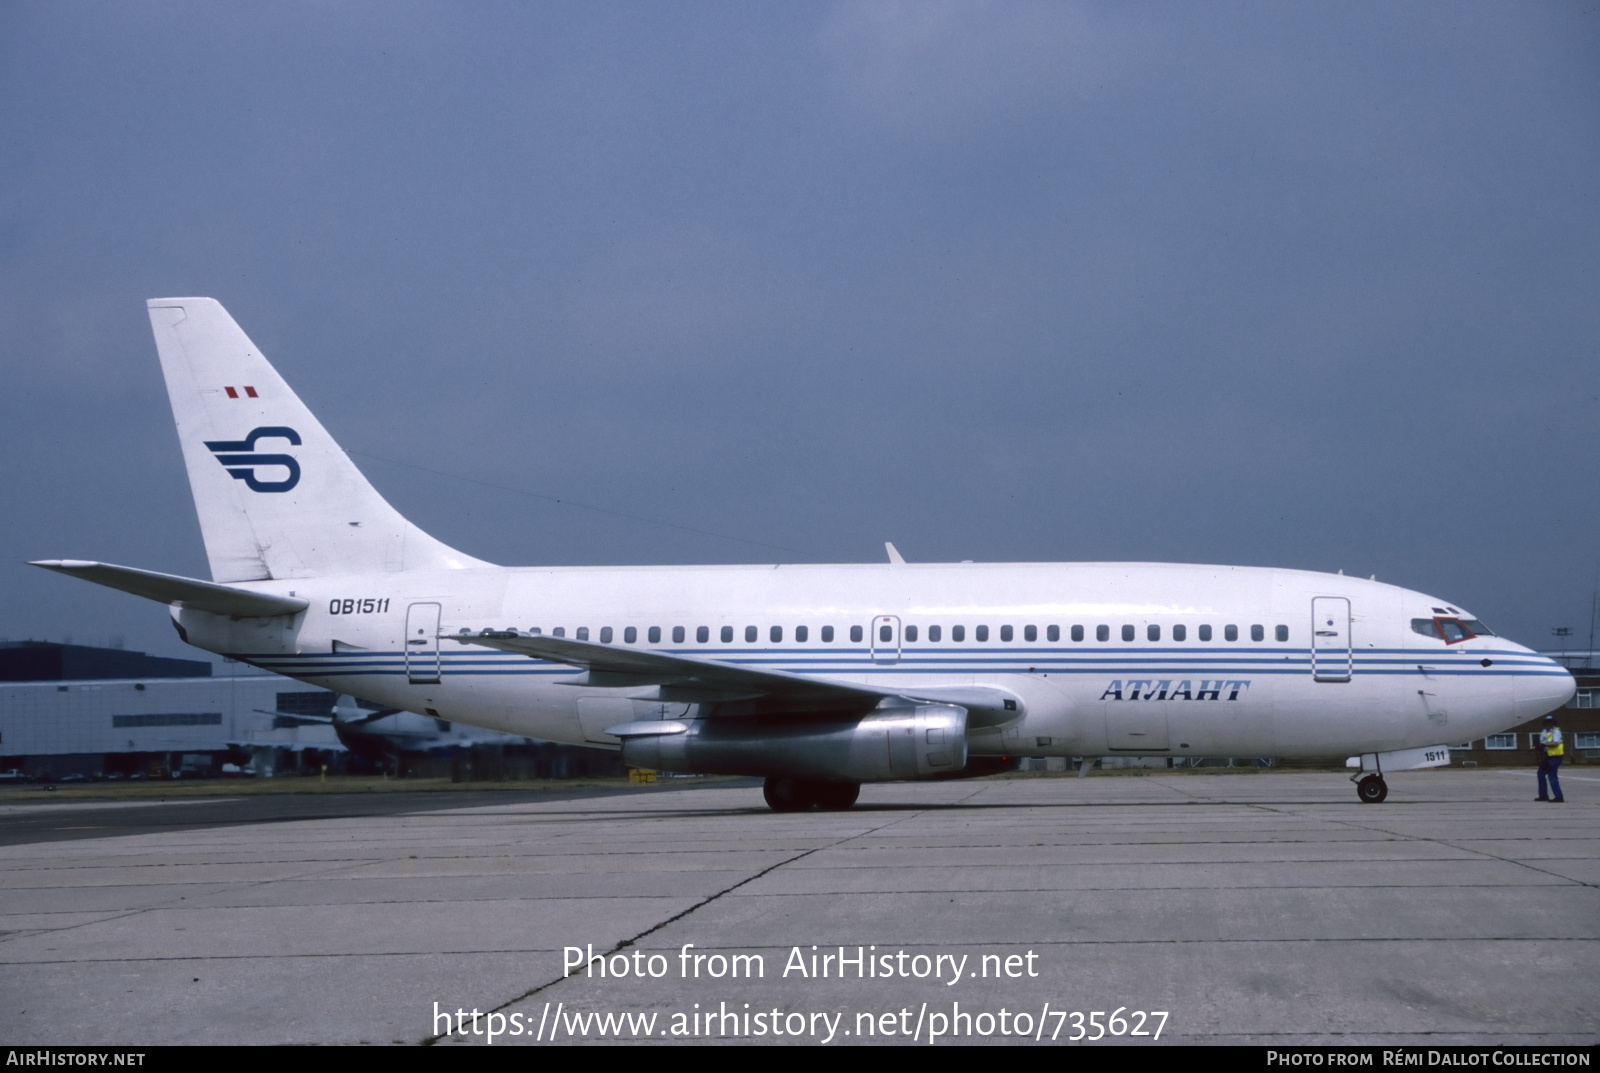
point(236, 458)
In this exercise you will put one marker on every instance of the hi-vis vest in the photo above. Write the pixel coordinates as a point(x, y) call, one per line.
point(1551, 740)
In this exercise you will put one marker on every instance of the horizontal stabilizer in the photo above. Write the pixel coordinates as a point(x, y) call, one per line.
point(171, 589)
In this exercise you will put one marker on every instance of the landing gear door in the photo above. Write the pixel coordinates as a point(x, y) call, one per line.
point(885, 639)
point(1331, 658)
point(422, 643)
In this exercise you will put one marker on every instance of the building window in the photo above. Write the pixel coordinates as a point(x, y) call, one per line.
point(1500, 741)
point(175, 719)
point(1586, 740)
point(1585, 698)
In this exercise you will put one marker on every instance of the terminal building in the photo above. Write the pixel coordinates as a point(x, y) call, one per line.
point(76, 712)
point(73, 712)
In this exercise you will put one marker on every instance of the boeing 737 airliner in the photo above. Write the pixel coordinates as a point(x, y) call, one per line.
point(817, 678)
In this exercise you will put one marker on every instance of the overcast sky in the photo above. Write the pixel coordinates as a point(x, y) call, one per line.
point(1277, 284)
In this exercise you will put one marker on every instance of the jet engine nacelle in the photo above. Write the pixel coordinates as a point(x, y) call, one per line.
point(906, 741)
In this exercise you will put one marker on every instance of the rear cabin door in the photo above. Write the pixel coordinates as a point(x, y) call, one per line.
point(422, 643)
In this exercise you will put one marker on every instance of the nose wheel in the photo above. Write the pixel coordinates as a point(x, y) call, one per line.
point(1372, 789)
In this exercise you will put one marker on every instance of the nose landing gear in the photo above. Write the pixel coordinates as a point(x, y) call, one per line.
point(1372, 789)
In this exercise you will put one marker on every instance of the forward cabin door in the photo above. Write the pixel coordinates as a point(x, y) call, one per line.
point(422, 643)
point(1331, 657)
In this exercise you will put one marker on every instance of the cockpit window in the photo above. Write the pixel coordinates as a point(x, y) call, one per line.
point(1450, 630)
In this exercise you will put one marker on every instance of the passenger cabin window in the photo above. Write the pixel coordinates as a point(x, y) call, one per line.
point(1152, 632)
point(802, 634)
point(1205, 633)
point(630, 635)
point(559, 631)
point(727, 635)
point(605, 635)
point(958, 633)
point(1281, 633)
point(1030, 633)
point(1180, 633)
point(911, 633)
point(1053, 633)
point(827, 635)
point(1230, 633)
point(583, 633)
point(1005, 633)
point(776, 634)
point(1102, 633)
point(1257, 633)
point(654, 636)
point(885, 633)
point(1127, 633)
point(702, 634)
point(855, 634)
point(981, 633)
point(749, 635)
point(933, 633)
point(677, 635)
point(1077, 633)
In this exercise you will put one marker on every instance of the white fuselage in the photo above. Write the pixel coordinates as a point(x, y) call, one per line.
point(1174, 660)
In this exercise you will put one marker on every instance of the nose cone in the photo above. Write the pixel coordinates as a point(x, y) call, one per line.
point(1542, 686)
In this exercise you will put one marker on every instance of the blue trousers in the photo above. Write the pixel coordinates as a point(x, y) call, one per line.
point(1547, 770)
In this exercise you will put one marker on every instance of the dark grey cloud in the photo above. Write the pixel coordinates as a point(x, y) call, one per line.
point(1263, 284)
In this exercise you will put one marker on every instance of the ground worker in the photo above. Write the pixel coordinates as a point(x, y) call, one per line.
point(1550, 743)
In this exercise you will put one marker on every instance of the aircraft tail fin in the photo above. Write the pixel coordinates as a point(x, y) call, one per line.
point(276, 496)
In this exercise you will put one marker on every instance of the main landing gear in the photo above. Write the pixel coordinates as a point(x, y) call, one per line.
point(784, 794)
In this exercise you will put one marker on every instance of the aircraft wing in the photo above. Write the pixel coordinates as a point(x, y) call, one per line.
point(172, 589)
point(609, 665)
